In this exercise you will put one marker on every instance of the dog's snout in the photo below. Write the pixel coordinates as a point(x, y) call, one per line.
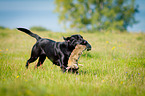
point(88, 47)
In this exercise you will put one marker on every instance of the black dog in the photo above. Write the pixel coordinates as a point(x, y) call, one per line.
point(57, 52)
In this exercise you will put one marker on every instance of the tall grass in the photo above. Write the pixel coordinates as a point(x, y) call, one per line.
point(114, 66)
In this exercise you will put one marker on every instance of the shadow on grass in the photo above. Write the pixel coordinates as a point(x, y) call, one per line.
point(93, 72)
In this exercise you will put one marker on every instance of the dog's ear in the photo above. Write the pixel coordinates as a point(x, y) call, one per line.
point(66, 39)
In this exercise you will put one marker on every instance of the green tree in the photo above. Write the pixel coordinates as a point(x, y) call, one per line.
point(97, 14)
point(2, 27)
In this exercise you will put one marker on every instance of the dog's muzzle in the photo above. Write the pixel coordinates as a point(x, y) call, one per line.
point(88, 47)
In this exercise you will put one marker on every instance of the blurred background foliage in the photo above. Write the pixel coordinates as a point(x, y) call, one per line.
point(38, 28)
point(2, 27)
point(100, 15)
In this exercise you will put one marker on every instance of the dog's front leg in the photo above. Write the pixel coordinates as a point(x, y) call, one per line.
point(61, 63)
point(61, 59)
point(63, 67)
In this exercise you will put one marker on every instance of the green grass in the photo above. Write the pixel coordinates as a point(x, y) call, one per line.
point(114, 67)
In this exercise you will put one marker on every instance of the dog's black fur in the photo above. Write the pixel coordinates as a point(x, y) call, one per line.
point(57, 52)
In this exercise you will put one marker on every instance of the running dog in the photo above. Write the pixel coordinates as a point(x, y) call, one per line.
point(57, 52)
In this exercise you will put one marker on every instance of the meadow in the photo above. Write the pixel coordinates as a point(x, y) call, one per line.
point(114, 67)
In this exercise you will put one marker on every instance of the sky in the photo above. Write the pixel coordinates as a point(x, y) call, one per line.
point(28, 13)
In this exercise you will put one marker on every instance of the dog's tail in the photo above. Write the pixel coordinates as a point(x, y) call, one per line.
point(29, 33)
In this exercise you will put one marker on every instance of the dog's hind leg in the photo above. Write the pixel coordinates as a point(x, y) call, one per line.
point(34, 55)
point(41, 60)
point(32, 59)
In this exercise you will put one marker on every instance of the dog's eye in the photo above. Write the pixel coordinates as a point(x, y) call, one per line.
point(85, 42)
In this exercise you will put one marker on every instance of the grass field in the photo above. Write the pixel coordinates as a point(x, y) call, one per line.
point(114, 67)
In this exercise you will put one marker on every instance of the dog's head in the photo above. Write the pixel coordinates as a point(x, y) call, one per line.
point(77, 39)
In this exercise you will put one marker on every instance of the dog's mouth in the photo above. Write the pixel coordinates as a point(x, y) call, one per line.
point(88, 47)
